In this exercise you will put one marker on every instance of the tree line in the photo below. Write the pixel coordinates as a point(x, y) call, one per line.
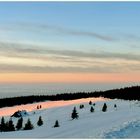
point(128, 93)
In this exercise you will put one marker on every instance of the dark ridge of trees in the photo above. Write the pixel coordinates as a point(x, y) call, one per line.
point(128, 93)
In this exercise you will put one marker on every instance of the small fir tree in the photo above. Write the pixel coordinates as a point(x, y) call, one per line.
point(104, 109)
point(11, 125)
point(3, 125)
point(90, 102)
point(56, 124)
point(115, 106)
point(7, 126)
point(74, 114)
point(28, 125)
point(91, 109)
point(40, 121)
point(19, 123)
point(94, 104)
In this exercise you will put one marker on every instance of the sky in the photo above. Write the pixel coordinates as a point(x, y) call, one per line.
point(69, 42)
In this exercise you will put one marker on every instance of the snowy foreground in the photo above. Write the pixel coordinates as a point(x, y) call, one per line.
point(121, 123)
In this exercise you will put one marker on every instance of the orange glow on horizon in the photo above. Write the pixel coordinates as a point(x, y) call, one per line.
point(68, 77)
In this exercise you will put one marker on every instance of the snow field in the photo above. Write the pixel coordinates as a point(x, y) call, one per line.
point(89, 125)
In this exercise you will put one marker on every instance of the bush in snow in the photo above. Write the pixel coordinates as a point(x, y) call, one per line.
point(81, 106)
point(104, 109)
point(74, 114)
point(40, 121)
point(28, 125)
point(91, 109)
point(56, 124)
point(19, 123)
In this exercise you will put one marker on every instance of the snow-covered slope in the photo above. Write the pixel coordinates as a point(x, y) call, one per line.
point(89, 125)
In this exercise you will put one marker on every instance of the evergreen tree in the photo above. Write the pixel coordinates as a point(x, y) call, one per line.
point(40, 121)
point(19, 123)
point(90, 102)
point(3, 125)
point(94, 104)
point(115, 106)
point(28, 125)
point(11, 125)
point(56, 124)
point(74, 114)
point(7, 126)
point(91, 109)
point(104, 109)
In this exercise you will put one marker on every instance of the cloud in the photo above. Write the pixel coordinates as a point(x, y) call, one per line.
point(44, 28)
point(25, 50)
point(26, 58)
point(6, 68)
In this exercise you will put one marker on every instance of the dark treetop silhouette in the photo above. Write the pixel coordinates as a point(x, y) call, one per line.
point(128, 93)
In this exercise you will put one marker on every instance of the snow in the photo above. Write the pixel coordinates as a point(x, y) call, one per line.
point(121, 123)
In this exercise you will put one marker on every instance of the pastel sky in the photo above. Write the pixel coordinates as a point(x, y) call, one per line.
point(69, 41)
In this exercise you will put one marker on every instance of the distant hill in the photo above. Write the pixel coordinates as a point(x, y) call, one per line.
point(127, 93)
